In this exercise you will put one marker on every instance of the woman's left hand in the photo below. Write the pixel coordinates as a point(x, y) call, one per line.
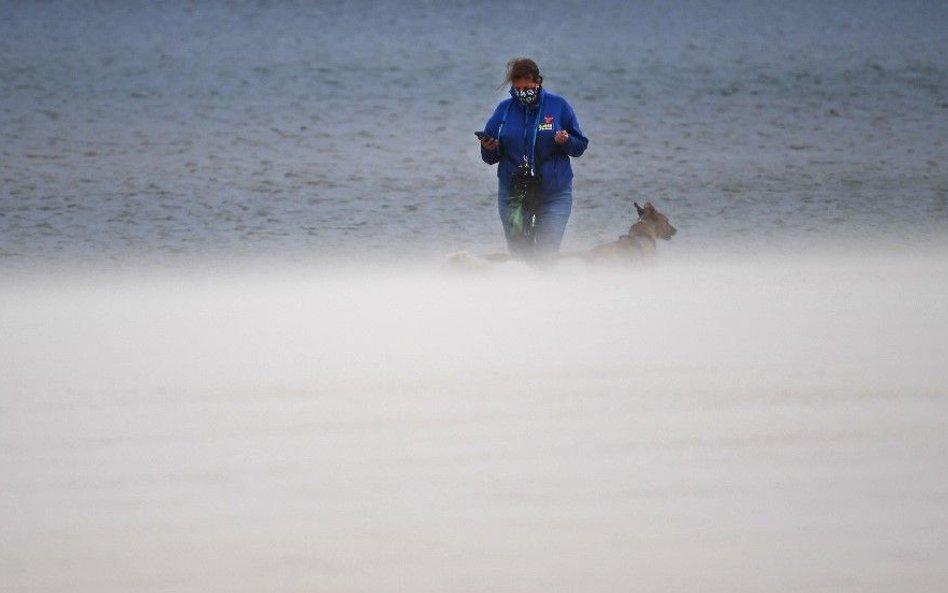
point(561, 137)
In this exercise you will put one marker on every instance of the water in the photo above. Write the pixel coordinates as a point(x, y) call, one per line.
point(232, 357)
point(237, 129)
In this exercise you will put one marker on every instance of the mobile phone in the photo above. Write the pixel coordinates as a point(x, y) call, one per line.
point(481, 135)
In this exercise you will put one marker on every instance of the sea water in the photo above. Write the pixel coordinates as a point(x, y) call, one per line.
point(308, 129)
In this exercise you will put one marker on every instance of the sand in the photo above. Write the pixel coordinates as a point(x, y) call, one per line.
point(720, 425)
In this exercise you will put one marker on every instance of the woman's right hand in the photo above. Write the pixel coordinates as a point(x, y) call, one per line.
point(489, 144)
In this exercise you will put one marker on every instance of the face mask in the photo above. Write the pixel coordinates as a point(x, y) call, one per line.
point(527, 97)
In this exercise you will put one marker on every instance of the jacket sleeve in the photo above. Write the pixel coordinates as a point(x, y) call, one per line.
point(491, 128)
point(576, 144)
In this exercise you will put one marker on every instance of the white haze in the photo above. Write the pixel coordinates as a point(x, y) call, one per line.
point(745, 424)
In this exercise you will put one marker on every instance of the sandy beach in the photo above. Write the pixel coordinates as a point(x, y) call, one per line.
point(713, 425)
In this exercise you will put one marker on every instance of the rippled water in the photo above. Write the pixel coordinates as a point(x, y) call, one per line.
point(302, 130)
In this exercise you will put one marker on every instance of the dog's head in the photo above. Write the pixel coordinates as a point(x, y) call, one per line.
point(656, 220)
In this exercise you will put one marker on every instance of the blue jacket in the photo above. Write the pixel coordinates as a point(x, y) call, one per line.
point(516, 138)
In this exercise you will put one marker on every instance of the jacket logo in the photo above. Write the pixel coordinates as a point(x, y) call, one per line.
point(547, 123)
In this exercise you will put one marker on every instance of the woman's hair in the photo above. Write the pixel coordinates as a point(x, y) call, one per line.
point(522, 68)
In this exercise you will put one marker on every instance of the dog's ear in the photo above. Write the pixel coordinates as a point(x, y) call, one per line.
point(648, 207)
point(638, 208)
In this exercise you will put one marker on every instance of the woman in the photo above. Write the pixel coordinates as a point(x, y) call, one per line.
point(532, 136)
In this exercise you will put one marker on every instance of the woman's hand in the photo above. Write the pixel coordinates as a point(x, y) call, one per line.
point(489, 144)
point(561, 137)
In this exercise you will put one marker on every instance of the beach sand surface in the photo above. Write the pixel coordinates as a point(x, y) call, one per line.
point(769, 423)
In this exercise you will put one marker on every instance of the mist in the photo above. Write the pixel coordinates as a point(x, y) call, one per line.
point(722, 423)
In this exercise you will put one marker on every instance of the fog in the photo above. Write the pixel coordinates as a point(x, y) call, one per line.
point(716, 423)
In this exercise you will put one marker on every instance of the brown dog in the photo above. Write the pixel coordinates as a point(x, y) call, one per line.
point(638, 243)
